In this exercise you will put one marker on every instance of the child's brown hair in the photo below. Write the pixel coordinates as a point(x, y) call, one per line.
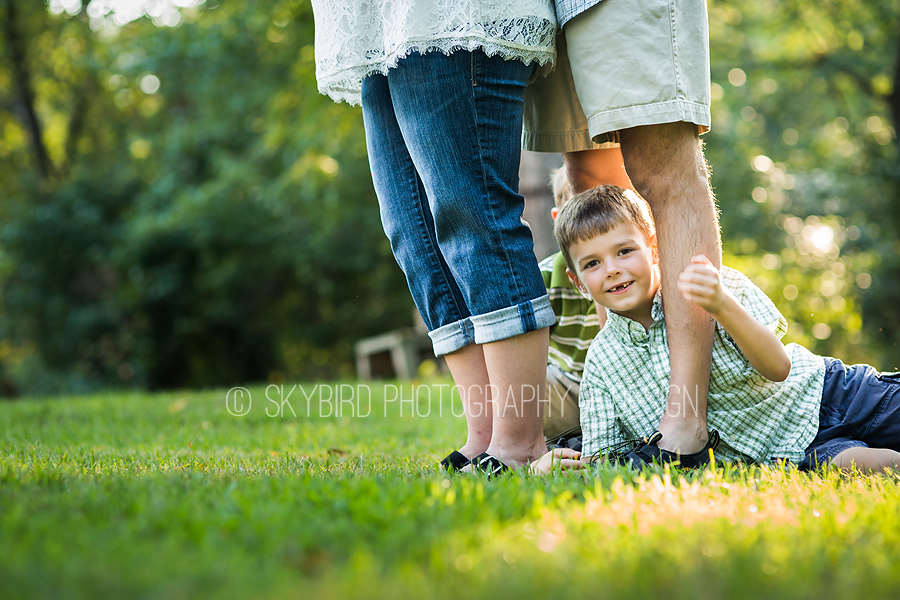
point(596, 212)
point(559, 183)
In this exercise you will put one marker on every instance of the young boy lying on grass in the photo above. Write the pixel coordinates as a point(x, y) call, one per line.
point(767, 401)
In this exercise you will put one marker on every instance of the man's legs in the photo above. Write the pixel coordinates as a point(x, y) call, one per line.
point(667, 166)
point(641, 67)
point(655, 93)
point(590, 168)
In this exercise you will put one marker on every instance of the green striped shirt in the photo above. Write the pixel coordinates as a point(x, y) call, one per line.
point(626, 385)
point(576, 318)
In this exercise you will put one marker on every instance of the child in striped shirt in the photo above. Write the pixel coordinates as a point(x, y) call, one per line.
point(578, 320)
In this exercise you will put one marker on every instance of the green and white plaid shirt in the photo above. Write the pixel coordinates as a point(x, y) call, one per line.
point(626, 384)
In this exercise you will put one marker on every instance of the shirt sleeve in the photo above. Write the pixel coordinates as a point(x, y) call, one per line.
point(754, 301)
point(546, 267)
point(600, 427)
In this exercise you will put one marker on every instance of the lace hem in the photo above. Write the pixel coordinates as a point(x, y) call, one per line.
point(345, 85)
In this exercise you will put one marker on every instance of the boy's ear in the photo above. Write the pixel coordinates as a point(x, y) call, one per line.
point(654, 248)
point(575, 281)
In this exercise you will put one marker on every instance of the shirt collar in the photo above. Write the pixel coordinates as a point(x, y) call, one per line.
point(630, 329)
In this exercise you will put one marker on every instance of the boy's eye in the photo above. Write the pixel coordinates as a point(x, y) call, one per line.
point(625, 251)
point(591, 263)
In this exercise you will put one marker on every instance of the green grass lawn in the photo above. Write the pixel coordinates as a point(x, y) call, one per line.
point(171, 496)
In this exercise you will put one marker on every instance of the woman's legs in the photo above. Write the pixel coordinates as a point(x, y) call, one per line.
point(503, 387)
point(473, 384)
point(406, 213)
point(517, 368)
point(443, 134)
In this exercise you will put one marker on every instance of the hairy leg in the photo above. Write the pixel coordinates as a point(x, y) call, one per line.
point(867, 459)
point(590, 168)
point(666, 164)
point(471, 377)
point(518, 374)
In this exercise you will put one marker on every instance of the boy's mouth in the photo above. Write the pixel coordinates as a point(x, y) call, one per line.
point(620, 288)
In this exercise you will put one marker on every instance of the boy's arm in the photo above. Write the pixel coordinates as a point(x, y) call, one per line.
point(700, 283)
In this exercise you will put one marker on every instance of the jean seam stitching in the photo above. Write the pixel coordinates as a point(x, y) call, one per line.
point(422, 230)
point(434, 251)
point(432, 245)
point(424, 233)
point(514, 285)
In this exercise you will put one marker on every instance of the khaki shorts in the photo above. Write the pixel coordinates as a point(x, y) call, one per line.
point(561, 410)
point(622, 64)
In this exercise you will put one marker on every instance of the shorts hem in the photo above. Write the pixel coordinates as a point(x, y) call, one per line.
point(672, 111)
point(817, 457)
point(569, 141)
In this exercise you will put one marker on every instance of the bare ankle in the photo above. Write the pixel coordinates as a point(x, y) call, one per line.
point(683, 435)
point(516, 455)
point(472, 449)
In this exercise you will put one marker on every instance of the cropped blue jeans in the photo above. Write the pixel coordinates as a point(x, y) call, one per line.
point(444, 139)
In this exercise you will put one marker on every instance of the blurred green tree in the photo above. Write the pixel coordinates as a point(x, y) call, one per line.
point(181, 208)
point(804, 151)
point(244, 241)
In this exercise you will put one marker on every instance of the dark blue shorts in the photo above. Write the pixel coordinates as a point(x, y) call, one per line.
point(860, 408)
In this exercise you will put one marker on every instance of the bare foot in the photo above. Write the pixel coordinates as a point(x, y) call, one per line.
point(516, 455)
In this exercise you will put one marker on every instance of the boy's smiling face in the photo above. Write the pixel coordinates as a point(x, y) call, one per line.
point(618, 269)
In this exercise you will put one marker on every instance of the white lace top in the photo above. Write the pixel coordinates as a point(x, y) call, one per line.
point(356, 38)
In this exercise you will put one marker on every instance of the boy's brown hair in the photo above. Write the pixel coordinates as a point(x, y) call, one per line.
point(596, 212)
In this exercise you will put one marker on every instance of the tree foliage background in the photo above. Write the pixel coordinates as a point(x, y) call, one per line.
point(180, 208)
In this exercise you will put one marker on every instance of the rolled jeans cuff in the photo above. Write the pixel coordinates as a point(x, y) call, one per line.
point(494, 326)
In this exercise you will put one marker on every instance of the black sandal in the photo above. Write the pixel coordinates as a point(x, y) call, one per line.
point(650, 453)
point(455, 461)
point(485, 463)
point(570, 438)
